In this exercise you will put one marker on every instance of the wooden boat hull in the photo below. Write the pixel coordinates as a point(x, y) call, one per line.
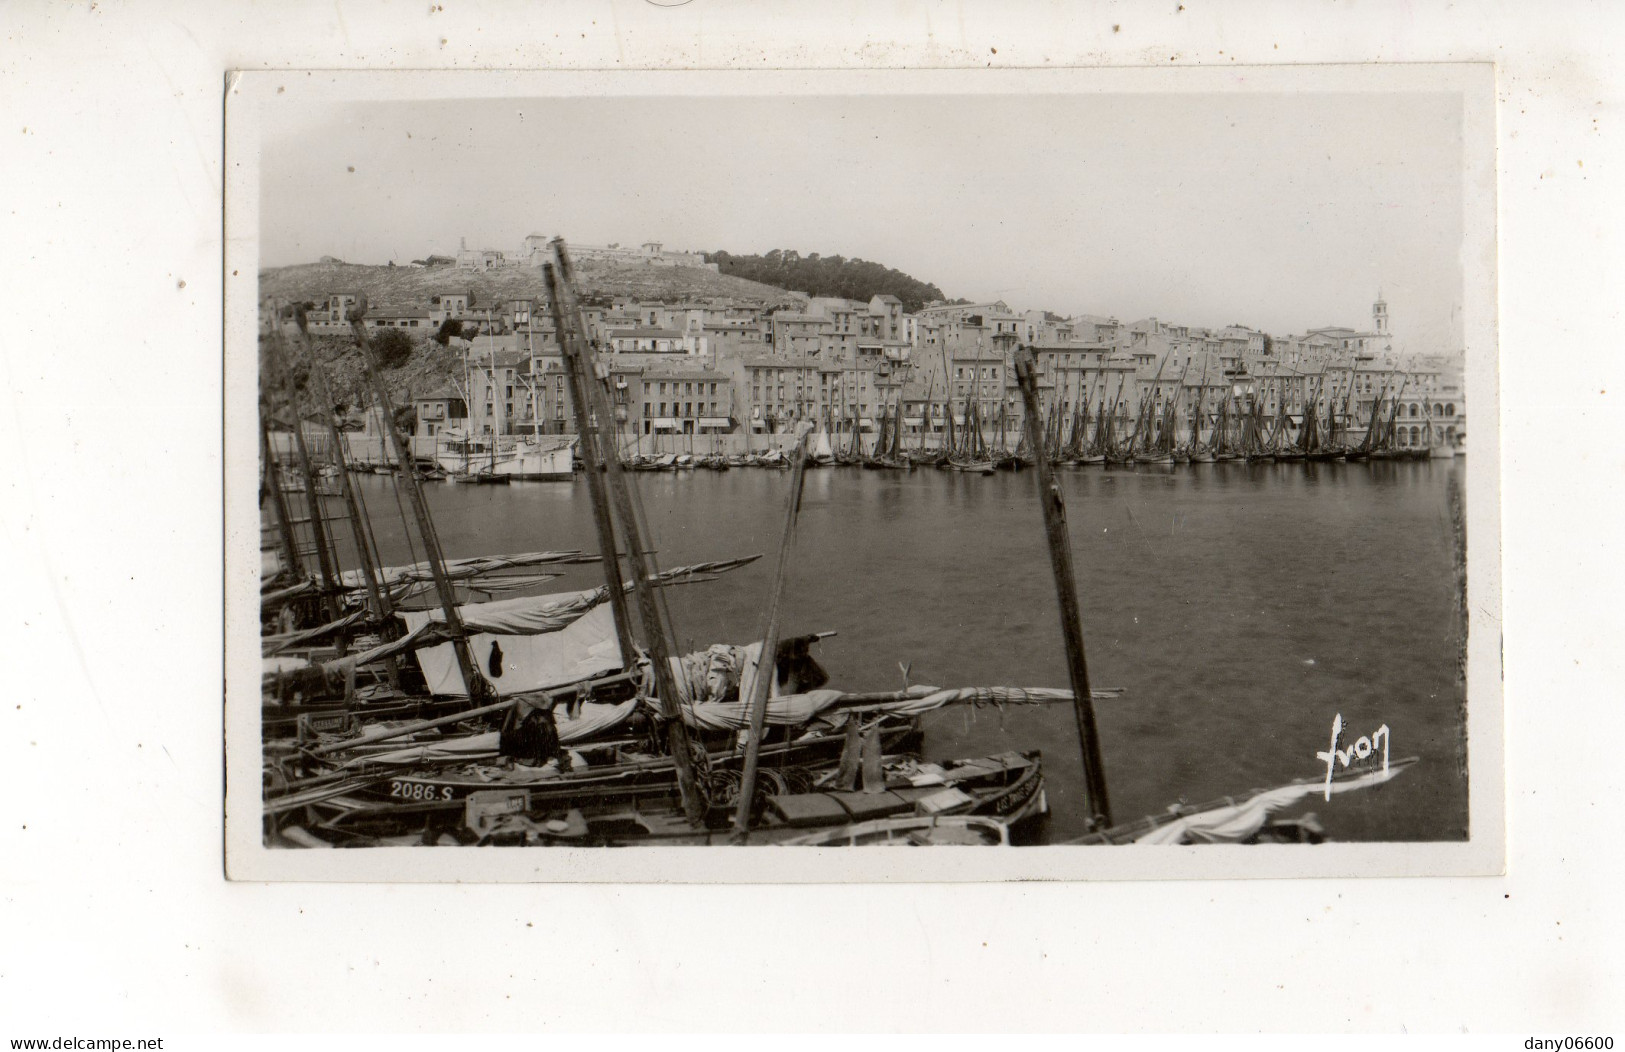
point(610, 781)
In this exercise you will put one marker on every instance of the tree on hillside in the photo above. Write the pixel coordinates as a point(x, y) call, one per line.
point(448, 328)
point(820, 275)
point(393, 348)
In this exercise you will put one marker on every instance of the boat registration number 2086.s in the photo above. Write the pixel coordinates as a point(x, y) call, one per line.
point(408, 790)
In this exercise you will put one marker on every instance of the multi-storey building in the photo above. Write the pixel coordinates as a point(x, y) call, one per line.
point(686, 400)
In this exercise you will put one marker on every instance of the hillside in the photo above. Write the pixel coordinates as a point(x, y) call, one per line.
point(432, 365)
point(596, 280)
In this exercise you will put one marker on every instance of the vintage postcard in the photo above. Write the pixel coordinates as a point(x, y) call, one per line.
point(726, 476)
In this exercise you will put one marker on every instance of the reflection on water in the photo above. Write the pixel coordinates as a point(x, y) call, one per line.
point(1241, 606)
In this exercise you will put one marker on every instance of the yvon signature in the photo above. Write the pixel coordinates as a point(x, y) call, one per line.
point(1361, 749)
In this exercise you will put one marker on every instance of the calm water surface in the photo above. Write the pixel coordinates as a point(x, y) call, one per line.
point(1241, 608)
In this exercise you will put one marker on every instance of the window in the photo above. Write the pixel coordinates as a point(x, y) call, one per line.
point(662, 408)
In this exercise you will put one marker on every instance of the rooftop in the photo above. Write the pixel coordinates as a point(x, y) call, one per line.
point(645, 334)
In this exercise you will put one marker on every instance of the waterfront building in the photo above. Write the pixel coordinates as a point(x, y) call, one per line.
point(977, 374)
point(684, 399)
point(1283, 389)
point(500, 390)
point(440, 408)
point(774, 392)
point(1073, 370)
point(848, 394)
point(925, 402)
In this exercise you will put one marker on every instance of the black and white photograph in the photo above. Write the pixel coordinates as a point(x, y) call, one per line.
point(1098, 488)
point(514, 510)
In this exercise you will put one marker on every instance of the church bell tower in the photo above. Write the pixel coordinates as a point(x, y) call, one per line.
point(1379, 314)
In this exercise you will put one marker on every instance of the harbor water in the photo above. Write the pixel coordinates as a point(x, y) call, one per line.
point(1241, 607)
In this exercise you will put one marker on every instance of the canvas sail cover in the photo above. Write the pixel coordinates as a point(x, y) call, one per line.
point(1237, 822)
point(796, 709)
point(515, 663)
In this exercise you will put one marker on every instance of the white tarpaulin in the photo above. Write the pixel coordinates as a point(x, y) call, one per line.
point(516, 663)
point(1229, 825)
point(797, 709)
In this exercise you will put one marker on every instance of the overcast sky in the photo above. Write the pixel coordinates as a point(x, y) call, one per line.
point(1279, 211)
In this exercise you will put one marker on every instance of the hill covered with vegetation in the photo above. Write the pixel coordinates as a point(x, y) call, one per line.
point(817, 275)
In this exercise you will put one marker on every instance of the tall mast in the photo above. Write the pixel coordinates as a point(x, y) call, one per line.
point(767, 660)
point(1097, 807)
point(593, 455)
point(279, 501)
point(376, 597)
point(496, 395)
point(478, 688)
point(644, 570)
point(325, 557)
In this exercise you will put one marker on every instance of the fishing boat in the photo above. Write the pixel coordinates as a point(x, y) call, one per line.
point(801, 803)
point(820, 453)
point(885, 455)
point(482, 477)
